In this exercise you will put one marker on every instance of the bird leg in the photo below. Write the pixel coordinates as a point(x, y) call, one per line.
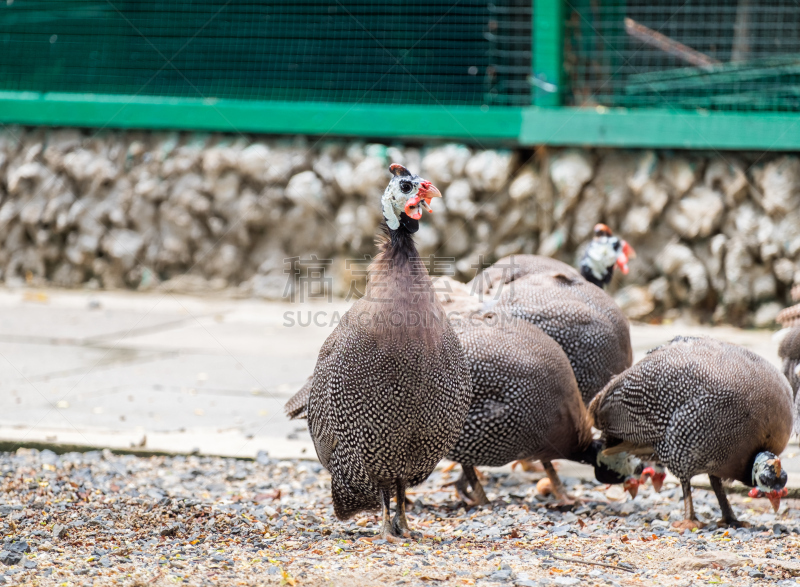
point(400, 523)
point(386, 530)
point(555, 483)
point(728, 518)
point(478, 494)
point(462, 490)
point(469, 478)
point(690, 521)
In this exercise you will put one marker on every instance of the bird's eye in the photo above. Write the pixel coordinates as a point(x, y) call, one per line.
point(405, 186)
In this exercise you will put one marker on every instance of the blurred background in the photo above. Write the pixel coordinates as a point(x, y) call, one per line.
point(196, 145)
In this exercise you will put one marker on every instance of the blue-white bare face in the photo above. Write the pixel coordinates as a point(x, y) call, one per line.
point(407, 193)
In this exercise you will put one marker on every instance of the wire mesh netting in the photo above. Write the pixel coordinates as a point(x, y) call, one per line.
point(710, 54)
point(424, 51)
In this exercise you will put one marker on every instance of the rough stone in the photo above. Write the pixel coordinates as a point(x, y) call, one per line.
point(306, 189)
point(635, 301)
point(727, 175)
point(254, 161)
point(679, 174)
point(611, 180)
point(370, 177)
point(785, 270)
point(637, 222)
point(779, 185)
point(678, 260)
point(588, 212)
point(646, 166)
point(569, 172)
point(139, 209)
point(713, 559)
point(489, 171)
point(697, 214)
point(766, 313)
point(458, 199)
point(524, 185)
point(442, 165)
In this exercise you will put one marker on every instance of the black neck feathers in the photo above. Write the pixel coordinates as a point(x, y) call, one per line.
point(587, 274)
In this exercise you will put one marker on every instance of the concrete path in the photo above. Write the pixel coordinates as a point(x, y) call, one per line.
point(179, 373)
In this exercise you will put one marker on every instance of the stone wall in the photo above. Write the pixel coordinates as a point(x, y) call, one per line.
point(718, 235)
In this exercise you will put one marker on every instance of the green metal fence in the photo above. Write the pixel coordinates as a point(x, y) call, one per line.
point(680, 73)
point(735, 55)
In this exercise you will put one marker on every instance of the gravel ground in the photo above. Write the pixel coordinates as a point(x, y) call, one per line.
point(93, 519)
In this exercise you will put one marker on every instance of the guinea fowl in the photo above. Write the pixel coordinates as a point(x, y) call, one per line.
point(698, 406)
point(582, 318)
point(585, 321)
point(603, 253)
point(526, 403)
point(391, 388)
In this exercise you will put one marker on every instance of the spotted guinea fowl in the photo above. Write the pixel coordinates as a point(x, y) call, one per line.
point(526, 403)
point(581, 317)
point(603, 253)
point(391, 387)
point(585, 321)
point(698, 406)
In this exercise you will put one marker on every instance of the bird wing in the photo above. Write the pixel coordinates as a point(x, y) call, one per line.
point(318, 394)
point(515, 267)
point(627, 408)
point(584, 320)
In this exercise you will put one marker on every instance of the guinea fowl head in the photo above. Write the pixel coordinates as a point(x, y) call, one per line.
point(405, 197)
point(614, 469)
point(603, 253)
point(769, 479)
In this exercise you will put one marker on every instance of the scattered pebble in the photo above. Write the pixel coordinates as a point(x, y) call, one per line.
point(97, 519)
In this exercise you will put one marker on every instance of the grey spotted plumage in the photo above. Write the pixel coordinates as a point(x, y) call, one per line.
point(789, 351)
point(698, 405)
point(391, 388)
point(526, 404)
point(581, 317)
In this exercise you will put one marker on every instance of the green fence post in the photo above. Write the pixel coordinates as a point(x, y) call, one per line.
point(548, 50)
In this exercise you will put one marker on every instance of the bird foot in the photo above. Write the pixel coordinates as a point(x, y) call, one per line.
point(463, 495)
point(470, 499)
point(732, 523)
point(688, 525)
point(387, 536)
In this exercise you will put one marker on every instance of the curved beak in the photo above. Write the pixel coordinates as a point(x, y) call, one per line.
point(631, 485)
point(625, 255)
point(426, 192)
point(774, 498)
